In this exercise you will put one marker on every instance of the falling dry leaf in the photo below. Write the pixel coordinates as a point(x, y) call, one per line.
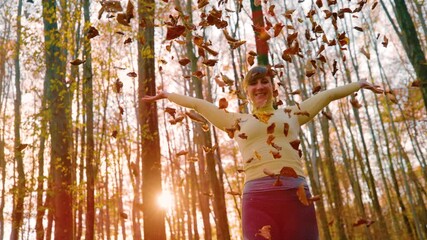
point(184, 61)
point(257, 155)
point(302, 113)
point(364, 52)
point(171, 111)
point(132, 74)
point(118, 85)
point(316, 89)
point(181, 153)
point(355, 103)
point(114, 134)
point(270, 139)
point(230, 132)
point(295, 144)
point(286, 129)
point(21, 147)
point(92, 32)
point(302, 195)
point(385, 42)
point(264, 232)
point(223, 104)
point(210, 62)
point(298, 91)
point(174, 31)
point(77, 62)
point(233, 193)
point(251, 60)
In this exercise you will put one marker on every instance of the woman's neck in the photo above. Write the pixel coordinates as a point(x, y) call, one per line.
point(267, 108)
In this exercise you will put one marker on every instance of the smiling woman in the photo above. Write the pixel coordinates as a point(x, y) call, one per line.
point(165, 200)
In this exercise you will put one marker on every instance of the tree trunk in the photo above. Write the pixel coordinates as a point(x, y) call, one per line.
point(412, 46)
point(261, 45)
point(90, 145)
point(59, 103)
point(19, 195)
point(154, 222)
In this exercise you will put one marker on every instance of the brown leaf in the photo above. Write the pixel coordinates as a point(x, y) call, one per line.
point(316, 89)
point(122, 18)
point(288, 14)
point(288, 172)
point(77, 62)
point(123, 215)
point(314, 198)
point(362, 221)
point(374, 5)
point(302, 195)
point(176, 120)
point(219, 82)
point(364, 52)
point(223, 104)
point(92, 32)
point(181, 153)
point(210, 62)
point(228, 36)
point(277, 29)
point(114, 134)
point(288, 111)
point(310, 73)
point(230, 132)
point(264, 232)
point(262, 33)
point(235, 45)
point(21, 147)
point(355, 103)
point(291, 38)
point(319, 3)
point(252, 53)
point(385, 42)
point(334, 66)
point(118, 85)
point(251, 60)
point(270, 129)
point(171, 111)
point(416, 83)
point(257, 155)
point(233, 193)
point(184, 61)
point(359, 29)
point(129, 10)
point(132, 74)
point(278, 182)
point(302, 113)
point(321, 48)
point(174, 31)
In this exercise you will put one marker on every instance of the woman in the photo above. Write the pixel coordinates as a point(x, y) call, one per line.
point(268, 142)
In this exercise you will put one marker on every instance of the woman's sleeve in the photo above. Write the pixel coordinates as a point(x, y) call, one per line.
point(218, 117)
point(312, 106)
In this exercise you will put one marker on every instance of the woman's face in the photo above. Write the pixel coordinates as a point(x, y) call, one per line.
point(260, 91)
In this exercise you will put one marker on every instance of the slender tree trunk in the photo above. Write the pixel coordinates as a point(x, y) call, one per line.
point(59, 103)
point(412, 46)
point(261, 44)
point(19, 195)
point(154, 222)
point(90, 145)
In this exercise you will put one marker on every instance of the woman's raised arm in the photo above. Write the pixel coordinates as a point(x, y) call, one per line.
point(313, 105)
point(220, 118)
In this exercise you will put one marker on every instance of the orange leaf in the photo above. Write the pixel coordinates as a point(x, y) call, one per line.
point(316, 89)
point(264, 232)
point(181, 153)
point(230, 132)
point(184, 61)
point(171, 111)
point(235, 45)
point(290, 39)
point(302, 195)
point(210, 62)
point(223, 104)
point(277, 29)
point(174, 31)
point(355, 103)
point(288, 14)
point(228, 37)
point(271, 10)
point(288, 172)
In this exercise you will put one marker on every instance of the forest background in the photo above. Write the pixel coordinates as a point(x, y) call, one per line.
point(81, 157)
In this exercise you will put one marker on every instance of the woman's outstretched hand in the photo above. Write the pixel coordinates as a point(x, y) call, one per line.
point(160, 95)
point(374, 88)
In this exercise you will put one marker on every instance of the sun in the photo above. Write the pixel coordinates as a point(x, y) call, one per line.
point(165, 200)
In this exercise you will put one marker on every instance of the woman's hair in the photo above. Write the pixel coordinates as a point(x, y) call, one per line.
point(256, 73)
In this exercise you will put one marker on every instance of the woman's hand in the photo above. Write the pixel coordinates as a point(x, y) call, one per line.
point(374, 88)
point(160, 95)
